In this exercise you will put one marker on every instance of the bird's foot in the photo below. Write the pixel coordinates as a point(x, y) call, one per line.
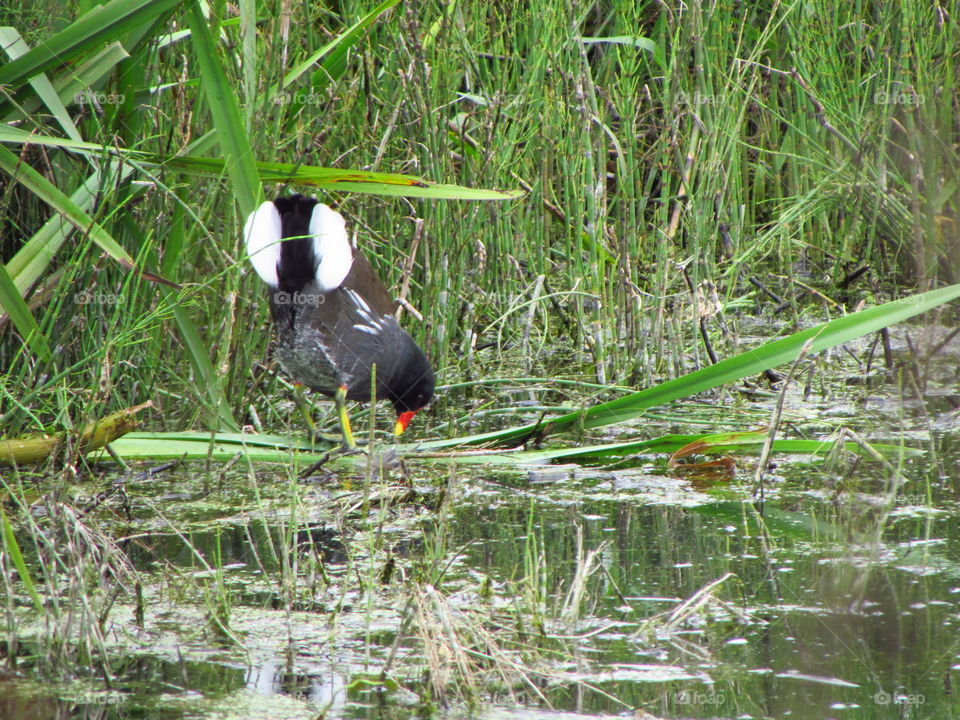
point(318, 437)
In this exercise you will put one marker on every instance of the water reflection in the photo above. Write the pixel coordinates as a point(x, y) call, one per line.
point(326, 689)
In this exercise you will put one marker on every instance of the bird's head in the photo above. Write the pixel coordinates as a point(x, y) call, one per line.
point(418, 383)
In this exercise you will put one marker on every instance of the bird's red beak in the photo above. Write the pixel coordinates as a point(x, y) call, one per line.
point(403, 419)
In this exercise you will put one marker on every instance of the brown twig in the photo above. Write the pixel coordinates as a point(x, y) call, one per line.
point(408, 270)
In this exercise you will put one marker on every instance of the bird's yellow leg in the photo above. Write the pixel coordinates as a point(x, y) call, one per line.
point(301, 402)
point(340, 398)
point(306, 410)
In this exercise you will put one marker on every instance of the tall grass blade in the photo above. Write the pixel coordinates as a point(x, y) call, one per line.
point(12, 548)
point(338, 47)
point(219, 414)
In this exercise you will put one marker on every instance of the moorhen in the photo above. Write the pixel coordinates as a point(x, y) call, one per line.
point(334, 318)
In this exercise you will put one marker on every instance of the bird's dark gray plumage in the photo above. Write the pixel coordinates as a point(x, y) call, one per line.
point(334, 318)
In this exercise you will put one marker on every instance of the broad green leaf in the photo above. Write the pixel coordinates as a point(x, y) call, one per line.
point(61, 203)
point(768, 355)
point(90, 74)
point(33, 258)
point(361, 181)
point(11, 41)
point(248, 42)
point(227, 119)
point(219, 446)
point(93, 29)
point(644, 43)
point(77, 83)
point(22, 318)
point(192, 445)
point(376, 183)
point(661, 445)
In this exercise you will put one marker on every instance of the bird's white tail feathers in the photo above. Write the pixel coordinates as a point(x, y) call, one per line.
point(331, 247)
point(263, 235)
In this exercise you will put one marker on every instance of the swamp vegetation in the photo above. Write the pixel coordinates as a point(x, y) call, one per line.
point(687, 274)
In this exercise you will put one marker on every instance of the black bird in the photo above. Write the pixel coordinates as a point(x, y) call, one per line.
point(334, 317)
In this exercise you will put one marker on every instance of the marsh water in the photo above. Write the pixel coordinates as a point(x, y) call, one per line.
point(508, 590)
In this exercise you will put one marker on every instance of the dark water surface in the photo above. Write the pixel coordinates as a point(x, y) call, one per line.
point(836, 602)
point(536, 592)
